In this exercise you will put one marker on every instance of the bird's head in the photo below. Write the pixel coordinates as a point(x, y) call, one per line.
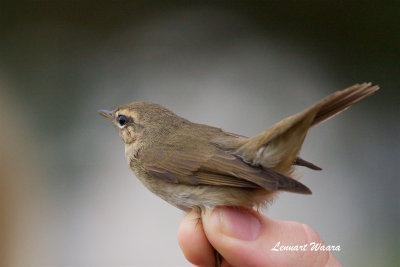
point(141, 119)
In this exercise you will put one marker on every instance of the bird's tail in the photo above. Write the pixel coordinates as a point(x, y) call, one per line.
point(278, 146)
point(341, 100)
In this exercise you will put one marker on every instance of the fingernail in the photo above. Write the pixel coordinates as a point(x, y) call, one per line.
point(238, 223)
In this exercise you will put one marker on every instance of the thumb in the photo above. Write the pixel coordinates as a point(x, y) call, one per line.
point(245, 238)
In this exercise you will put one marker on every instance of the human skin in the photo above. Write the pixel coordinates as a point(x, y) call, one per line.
point(245, 238)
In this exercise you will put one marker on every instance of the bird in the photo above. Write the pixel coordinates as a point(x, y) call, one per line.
point(199, 167)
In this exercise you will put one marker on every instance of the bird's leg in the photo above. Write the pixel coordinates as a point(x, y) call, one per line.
point(217, 256)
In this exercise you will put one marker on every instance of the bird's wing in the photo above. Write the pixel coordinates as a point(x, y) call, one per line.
point(278, 146)
point(213, 167)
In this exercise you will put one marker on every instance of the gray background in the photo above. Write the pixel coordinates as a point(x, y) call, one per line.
point(68, 197)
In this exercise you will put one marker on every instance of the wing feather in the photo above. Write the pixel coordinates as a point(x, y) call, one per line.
point(214, 167)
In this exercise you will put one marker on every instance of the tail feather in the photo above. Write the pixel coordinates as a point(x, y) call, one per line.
point(301, 162)
point(278, 146)
point(341, 100)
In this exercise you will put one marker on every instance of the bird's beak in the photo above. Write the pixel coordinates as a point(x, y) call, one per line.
point(106, 113)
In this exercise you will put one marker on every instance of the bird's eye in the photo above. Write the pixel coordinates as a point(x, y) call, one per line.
point(122, 120)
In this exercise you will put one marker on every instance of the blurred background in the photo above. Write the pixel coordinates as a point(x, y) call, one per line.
point(67, 196)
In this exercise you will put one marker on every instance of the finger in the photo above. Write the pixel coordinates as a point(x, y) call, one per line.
point(245, 238)
point(193, 241)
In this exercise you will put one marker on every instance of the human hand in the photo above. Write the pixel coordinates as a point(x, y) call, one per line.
point(245, 238)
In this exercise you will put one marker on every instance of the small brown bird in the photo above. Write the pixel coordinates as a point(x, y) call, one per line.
point(196, 166)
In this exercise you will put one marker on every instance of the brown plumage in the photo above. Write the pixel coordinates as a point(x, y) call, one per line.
point(195, 166)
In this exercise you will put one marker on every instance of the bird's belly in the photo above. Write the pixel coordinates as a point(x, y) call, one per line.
point(204, 197)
